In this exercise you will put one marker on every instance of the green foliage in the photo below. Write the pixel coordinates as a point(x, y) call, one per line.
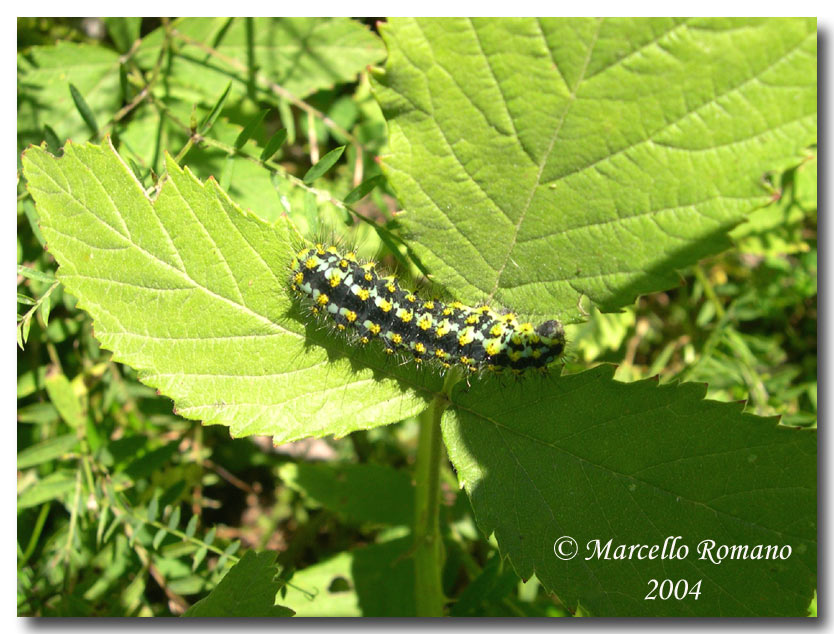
point(248, 589)
point(627, 461)
point(543, 160)
point(561, 167)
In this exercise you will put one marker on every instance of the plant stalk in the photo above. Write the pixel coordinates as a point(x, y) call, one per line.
point(428, 543)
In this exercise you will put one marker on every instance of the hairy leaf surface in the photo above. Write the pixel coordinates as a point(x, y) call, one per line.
point(594, 459)
point(542, 160)
point(193, 293)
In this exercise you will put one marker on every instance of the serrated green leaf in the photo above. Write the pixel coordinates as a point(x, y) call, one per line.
point(363, 492)
point(302, 55)
point(218, 331)
point(44, 75)
point(325, 163)
point(594, 459)
point(248, 589)
point(48, 450)
point(542, 160)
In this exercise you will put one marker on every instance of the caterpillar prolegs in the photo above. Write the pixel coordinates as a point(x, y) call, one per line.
point(359, 301)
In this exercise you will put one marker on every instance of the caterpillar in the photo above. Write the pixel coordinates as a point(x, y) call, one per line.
point(359, 301)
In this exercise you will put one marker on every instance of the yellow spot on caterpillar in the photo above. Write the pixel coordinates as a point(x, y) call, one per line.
point(350, 316)
point(509, 318)
point(448, 311)
point(419, 348)
point(302, 254)
point(363, 294)
point(406, 316)
point(335, 279)
point(443, 329)
point(350, 256)
point(389, 350)
point(384, 305)
point(319, 248)
point(373, 328)
point(333, 250)
point(425, 322)
point(497, 330)
point(493, 347)
point(429, 305)
point(466, 337)
point(298, 278)
point(483, 309)
point(526, 329)
point(390, 286)
point(515, 355)
point(465, 360)
point(418, 360)
point(294, 264)
point(441, 354)
point(369, 277)
point(322, 299)
point(456, 305)
point(397, 338)
point(343, 263)
point(447, 365)
point(312, 262)
point(364, 340)
point(410, 298)
point(473, 319)
point(340, 326)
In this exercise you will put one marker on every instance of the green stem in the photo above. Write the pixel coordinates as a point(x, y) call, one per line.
point(428, 543)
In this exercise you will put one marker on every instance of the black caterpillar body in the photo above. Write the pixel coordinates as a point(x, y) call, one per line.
point(358, 300)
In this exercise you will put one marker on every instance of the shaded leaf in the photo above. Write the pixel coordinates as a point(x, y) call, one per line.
point(363, 492)
point(594, 459)
point(248, 589)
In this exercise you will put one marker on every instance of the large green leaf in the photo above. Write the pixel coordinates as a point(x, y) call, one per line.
point(542, 160)
point(193, 293)
point(594, 459)
point(302, 55)
point(248, 589)
point(44, 76)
